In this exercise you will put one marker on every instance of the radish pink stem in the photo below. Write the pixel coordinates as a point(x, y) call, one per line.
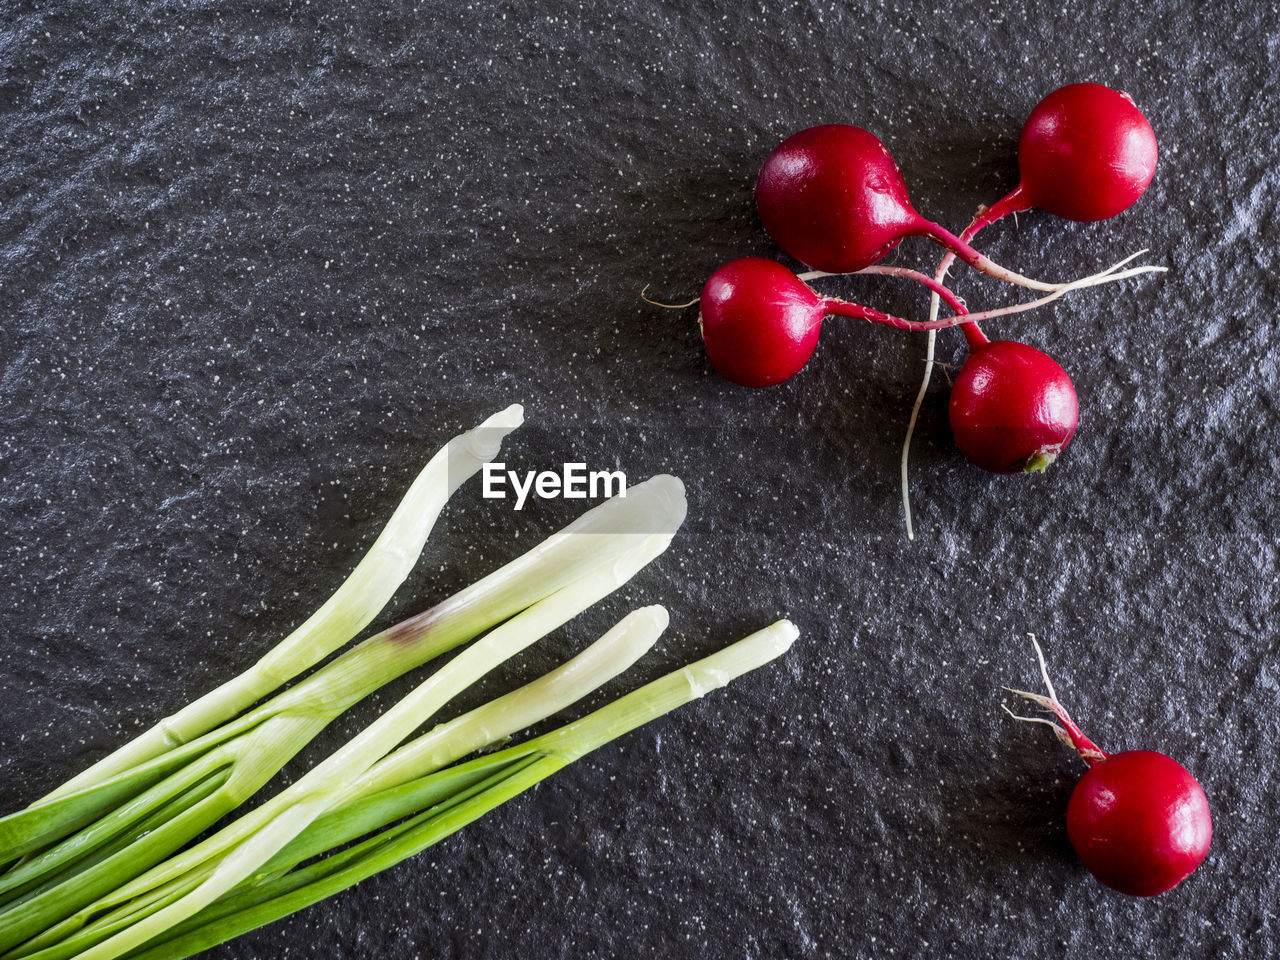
point(1067, 731)
point(844, 308)
point(940, 234)
point(1013, 202)
point(938, 290)
point(959, 246)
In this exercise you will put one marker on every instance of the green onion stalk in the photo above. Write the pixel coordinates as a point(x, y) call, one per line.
point(175, 742)
point(603, 660)
point(414, 808)
point(353, 605)
point(102, 867)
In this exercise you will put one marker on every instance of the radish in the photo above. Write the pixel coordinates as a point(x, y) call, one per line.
point(760, 322)
point(1013, 409)
point(833, 198)
point(1138, 820)
point(1086, 153)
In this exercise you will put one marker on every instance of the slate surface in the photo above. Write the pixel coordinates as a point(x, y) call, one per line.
point(258, 261)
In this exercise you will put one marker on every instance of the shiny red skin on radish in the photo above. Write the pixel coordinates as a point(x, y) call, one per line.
point(1086, 153)
point(833, 198)
point(760, 323)
point(1140, 822)
point(1013, 408)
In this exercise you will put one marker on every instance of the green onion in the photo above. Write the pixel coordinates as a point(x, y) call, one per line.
point(219, 863)
point(126, 840)
point(606, 658)
point(601, 661)
point(106, 866)
point(446, 800)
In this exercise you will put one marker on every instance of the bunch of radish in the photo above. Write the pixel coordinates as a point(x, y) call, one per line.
point(834, 199)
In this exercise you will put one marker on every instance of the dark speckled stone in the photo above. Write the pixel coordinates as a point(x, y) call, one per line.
point(258, 260)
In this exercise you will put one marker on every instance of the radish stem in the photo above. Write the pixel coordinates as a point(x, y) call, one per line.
point(1068, 732)
point(843, 308)
point(1012, 203)
point(981, 219)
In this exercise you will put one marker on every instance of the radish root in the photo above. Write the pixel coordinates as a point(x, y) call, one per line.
point(1057, 728)
point(929, 349)
point(666, 306)
point(935, 304)
point(841, 308)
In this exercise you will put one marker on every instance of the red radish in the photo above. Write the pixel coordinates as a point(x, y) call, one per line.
point(1086, 153)
point(760, 322)
point(1013, 408)
point(1138, 820)
point(833, 198)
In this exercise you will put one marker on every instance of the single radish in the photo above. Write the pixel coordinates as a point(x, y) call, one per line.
point(1013, 408)
point(1086, 153)
point(760, 322)
point(1138, 820)
point(833, 198)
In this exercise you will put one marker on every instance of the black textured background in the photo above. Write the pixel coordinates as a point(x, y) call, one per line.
point(258, 261)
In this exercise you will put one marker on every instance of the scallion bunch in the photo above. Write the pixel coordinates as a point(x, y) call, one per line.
point(105, 866)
